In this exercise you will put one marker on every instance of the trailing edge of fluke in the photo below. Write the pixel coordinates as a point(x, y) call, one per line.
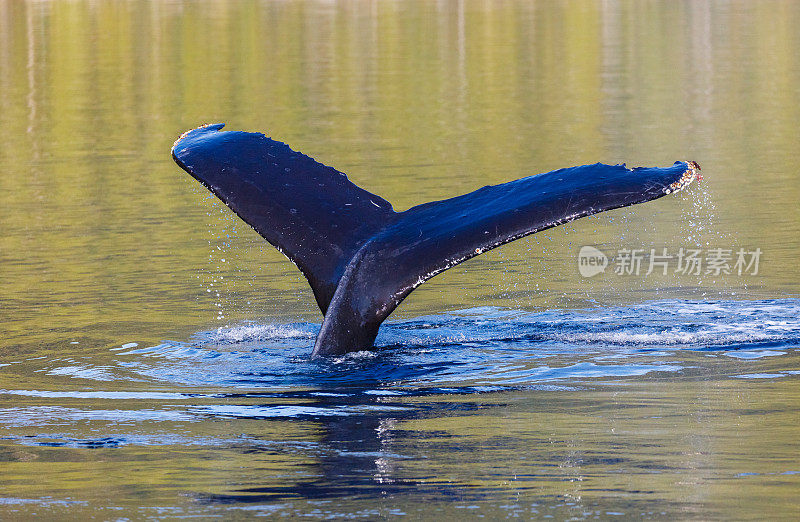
point(362, 258)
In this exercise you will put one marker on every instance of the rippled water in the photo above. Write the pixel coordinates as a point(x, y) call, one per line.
point(154, 352)
point(564, 412)
point(481, 347)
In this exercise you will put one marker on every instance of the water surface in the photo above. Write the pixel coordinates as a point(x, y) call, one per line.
point(154, 350)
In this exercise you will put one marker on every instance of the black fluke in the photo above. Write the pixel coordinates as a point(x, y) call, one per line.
point(362, 258)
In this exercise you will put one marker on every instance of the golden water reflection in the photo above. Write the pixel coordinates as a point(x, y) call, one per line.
point(415, 102)
point(104, 240)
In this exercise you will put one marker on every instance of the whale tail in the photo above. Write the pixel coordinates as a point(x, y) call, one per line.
point(362, 258)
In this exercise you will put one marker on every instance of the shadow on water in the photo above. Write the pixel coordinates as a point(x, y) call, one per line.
point(354, 456)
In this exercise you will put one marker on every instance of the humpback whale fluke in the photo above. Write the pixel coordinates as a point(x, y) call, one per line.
point(362, 258)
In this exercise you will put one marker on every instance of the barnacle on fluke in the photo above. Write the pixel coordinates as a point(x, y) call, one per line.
point(692, 173)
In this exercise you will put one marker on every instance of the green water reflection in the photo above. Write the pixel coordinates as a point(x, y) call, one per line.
point(103, 240)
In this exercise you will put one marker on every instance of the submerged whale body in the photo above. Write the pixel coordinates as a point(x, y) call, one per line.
point(362, 258)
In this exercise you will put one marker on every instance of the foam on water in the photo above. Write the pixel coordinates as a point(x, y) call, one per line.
point(258, 332)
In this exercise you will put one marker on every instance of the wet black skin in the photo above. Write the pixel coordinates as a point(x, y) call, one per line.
point(362, 258)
